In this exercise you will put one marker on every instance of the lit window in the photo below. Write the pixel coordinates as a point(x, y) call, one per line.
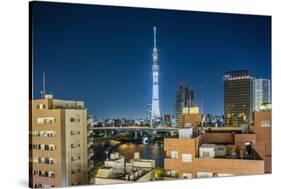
point(187, 158)
point(174, 155)
point(41, 106)
point(204, 174)
point(187, 175)
point(46, 120)
point(265, 123)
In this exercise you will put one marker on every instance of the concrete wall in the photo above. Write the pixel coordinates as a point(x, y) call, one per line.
point(263, 137)
point(56, 126)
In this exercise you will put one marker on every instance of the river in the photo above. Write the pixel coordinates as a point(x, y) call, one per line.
point(153, 151)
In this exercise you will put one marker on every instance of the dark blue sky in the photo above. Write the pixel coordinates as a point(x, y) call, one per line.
point(103, 55)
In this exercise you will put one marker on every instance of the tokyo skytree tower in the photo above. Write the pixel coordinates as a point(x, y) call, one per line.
point(155, 109)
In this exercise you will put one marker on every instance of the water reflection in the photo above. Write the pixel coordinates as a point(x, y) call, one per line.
point(153, 151)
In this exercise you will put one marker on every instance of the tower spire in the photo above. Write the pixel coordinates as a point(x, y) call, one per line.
point(154, 30)
point(43, 91)
point(44, 84)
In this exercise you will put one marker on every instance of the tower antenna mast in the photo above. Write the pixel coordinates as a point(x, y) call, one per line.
point(154, 30)
point(43, 92)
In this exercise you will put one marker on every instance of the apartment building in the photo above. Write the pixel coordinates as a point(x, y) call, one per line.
point(211, 155)
point(263, 130)
point(58, 148)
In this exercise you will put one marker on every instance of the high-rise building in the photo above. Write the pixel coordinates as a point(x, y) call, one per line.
point(148, 111)
point(167, 120)
point(184, 100)
point(261, 93)
point(238, 97)
point(155, 109)
point(58, 143)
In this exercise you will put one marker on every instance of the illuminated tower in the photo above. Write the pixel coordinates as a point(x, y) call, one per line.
point(155, 110)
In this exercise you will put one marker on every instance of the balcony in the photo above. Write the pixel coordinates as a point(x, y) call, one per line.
point(90, 153)
point(90, 143)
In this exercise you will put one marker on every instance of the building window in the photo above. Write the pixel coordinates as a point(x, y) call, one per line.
point(51, 174)
point(187, 176)
point(35, 173)
point(206, 154)
point(204, 174)
point(52, 147)
point(74, 171)
point(46, 120)
point(75, 145)
point(35, 160)
point(186, 158)
point(174, 154)
point(41, 106)
point(224, 175)
point(52, 160)
point(47, 133)
point(72, 119)
point(174, 173)
point(171, 173)
point(72, 132)
point(74, 158)
point(43, 147)
point(265, 123)
point(46, 160)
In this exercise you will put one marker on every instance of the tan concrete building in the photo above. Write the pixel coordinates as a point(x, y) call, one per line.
point(192, 119)
point(58, 148)
point(210, 155)
point(263, 130)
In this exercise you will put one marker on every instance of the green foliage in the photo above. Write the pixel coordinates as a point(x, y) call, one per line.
point(97, 165)
point(159, 173)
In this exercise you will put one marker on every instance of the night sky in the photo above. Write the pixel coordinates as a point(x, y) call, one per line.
point(102, 55)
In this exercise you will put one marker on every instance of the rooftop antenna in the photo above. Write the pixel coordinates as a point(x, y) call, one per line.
point(202, 97)
point(154, 31)
point(43, 92)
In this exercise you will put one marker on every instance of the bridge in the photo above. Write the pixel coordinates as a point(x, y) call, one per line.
point(137, 128)
point(135, 131)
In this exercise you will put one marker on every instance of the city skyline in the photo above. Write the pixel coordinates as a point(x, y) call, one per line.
point(106, 61)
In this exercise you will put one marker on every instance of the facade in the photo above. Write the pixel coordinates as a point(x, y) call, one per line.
point(211, 155)
point(155, 109)
point(263, 130)
point(238, 106)
point(261, 93)
point(58, 143)
point(184, 101)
